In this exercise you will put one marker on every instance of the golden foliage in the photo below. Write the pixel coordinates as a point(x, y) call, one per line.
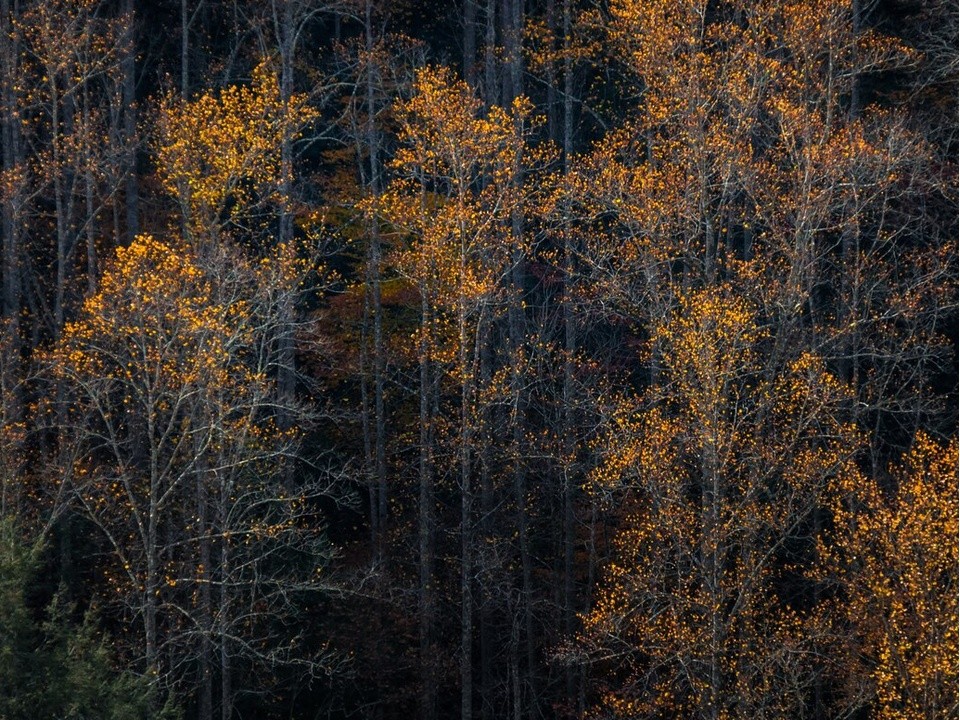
point(718, 474)
point(220, 153)
point(457, 187)
point(895, 553)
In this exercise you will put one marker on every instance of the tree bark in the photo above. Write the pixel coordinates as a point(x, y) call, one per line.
point(286, 350)
point(204, 542)
point(569, 449)
point(466, 489)
point(223, 611)
point(428, 709)
point(10, 229)
point(491, 86)
point(373, 152)
point(470, 42)
point(130, 140)
point(89, 188)
point(513, 17)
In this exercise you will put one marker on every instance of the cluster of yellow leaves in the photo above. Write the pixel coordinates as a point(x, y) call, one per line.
point(742, 143)
point(711, 343)
point(168, 349)
point(716, 470)
point(897, 555)
point(154, 324)
point(69, 43)
point(545, 49)
point(165, 378)
point(221, 151)
point(456, 190)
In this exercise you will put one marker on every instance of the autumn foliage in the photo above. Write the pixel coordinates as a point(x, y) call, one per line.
point(492, 359)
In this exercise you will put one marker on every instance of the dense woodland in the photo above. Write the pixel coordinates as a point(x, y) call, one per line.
point(481, 358)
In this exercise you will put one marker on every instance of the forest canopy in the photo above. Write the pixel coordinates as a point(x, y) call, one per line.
point(495, 358)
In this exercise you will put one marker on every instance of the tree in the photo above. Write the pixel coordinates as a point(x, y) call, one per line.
point(54, 667)
point(893, 555)
point(217, 155)
point(12, 195)
point(756, 149)
point(718, 472)
point(456, 195)
point(175, 453)
point(71, 67)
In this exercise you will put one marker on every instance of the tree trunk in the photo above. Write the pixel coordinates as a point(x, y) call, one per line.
point(551, 72)
point(485, 619)
point(513, 28)
point(286, 345)
point(428, 696)
point(709, 549)
point(130, 142)
point(184, 50)
point(373, 151)
point(89, 187)
point(59, 205)
point(223, 611)
point(10, 229)
point(856, 89)
point(466, 492)
point(491, 86)
point(569, 449)
point(151, 584)
point(204, 542)
point(368, 462)
point(470, 42)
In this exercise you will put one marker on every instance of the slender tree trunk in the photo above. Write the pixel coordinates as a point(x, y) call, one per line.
point(516, 687)
point(187, 63)
point(551, 71)
point(507, 89)
point(150, 609)
point(710, 239)
point(373, 151)
point(466, 576)
point(60, 206)
point(513, 27)
point(10, 129)
point(286, 344)
point(130, 141)
point(470, 42)
point(592, 561)
point(491, 86)
point(63, 210)
point(466, 489)
point(285, 38)
point(428, 702)
point(368, 462)
point(204, 541)
point(206, 649)
point(856, 90)
point(570, 347)
point(850, 240)
point(184, 49)
point(568, 454)
point(10, 228)
point(89, 187)
point(373, 301)
point(152, 581)
point(709, 549)
point(224, 610)
point(488, 645)
point(485, 619)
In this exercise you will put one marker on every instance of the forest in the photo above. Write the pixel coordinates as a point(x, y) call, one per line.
point(479, 359)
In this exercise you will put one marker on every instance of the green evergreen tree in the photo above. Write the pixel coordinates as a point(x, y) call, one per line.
point(51, 666)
